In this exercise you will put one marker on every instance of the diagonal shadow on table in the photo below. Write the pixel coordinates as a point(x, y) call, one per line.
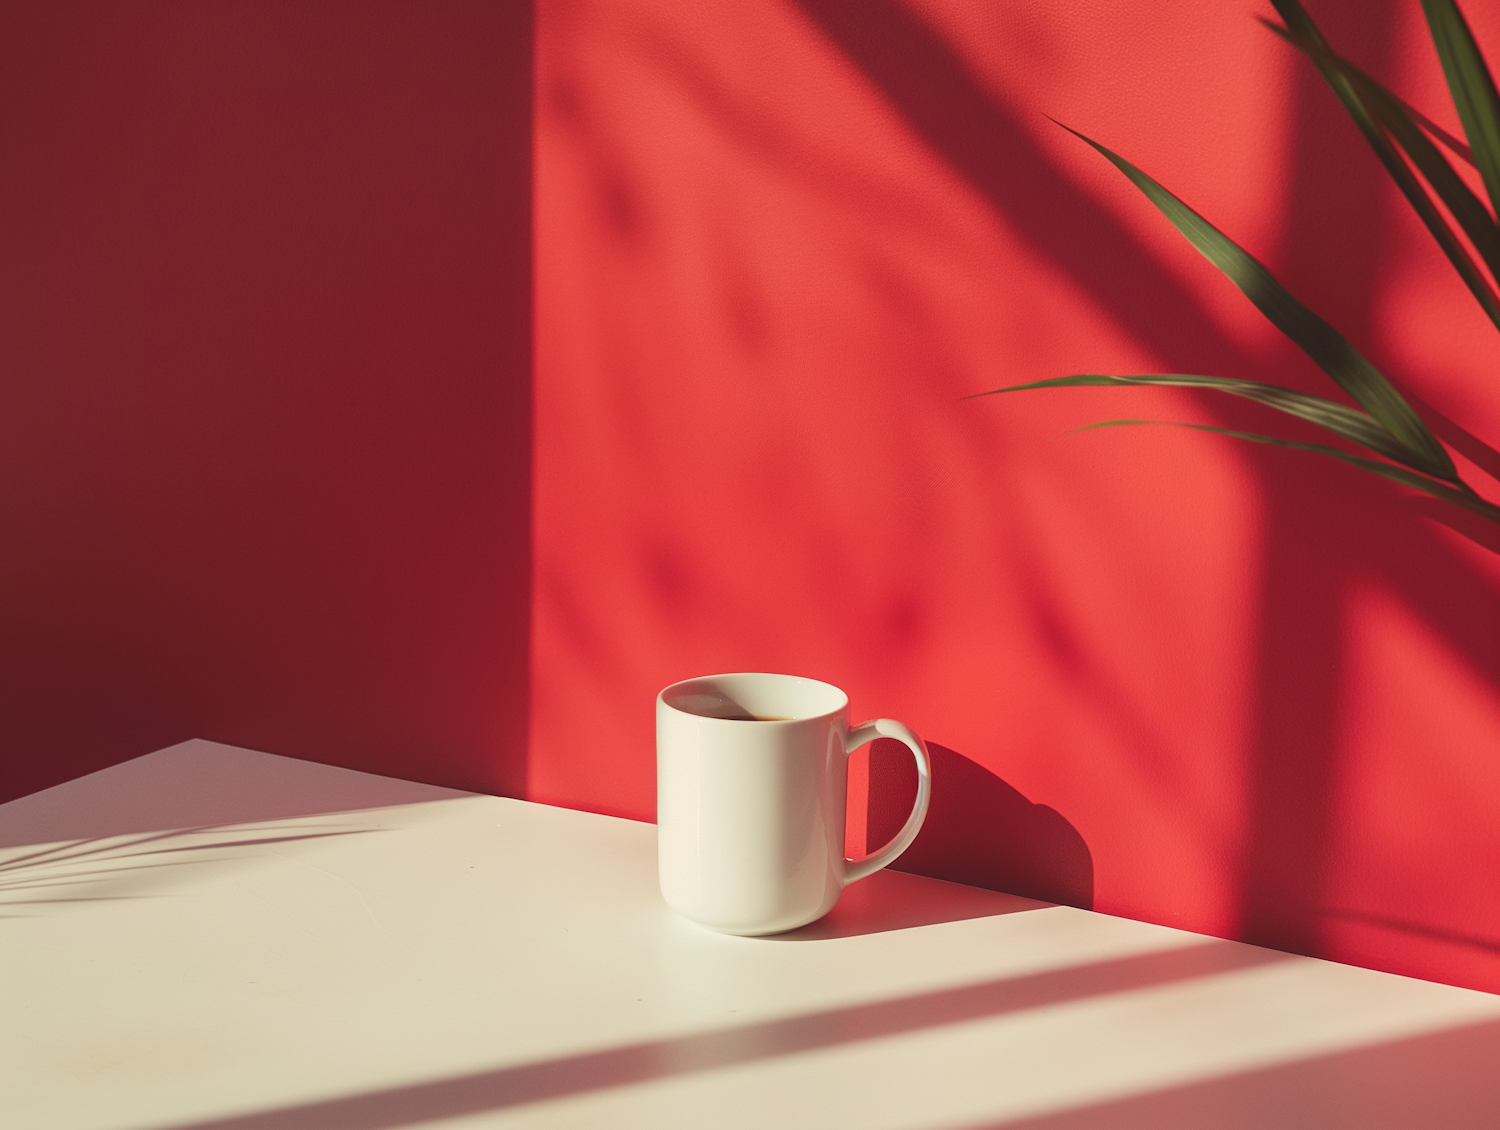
point(509, 1087)
point(1441, 1079)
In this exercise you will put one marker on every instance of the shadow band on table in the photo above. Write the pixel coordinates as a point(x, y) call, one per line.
point(1439, 1079)
point(659, 1059)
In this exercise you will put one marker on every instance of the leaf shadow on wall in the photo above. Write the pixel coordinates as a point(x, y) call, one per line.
point(979, 830)
point(1317, 543)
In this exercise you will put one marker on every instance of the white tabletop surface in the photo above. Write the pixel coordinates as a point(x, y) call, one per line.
point(217, 939)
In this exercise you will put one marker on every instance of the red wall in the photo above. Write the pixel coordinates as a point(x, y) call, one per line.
point(264, 417)
point(1226, 688)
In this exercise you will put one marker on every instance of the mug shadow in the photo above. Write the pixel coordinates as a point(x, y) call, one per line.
point(890, 900)
point(979, 830)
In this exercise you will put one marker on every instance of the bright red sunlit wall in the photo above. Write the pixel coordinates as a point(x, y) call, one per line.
point(1223, 687)
point(264, 413)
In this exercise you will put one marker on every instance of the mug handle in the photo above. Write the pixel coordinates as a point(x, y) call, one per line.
point(890, 728)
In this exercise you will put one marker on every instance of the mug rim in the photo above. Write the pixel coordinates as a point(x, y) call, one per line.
point(841, 707)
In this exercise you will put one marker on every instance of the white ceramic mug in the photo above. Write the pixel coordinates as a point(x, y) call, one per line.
point(750, 787)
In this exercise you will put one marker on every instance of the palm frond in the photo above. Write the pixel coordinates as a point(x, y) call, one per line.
point(1315, 337)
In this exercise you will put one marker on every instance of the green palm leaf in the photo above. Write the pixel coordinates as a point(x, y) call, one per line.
point(1315, 337)
point(1377, 112)
point(1402, 139)
point(1461, 496)
point(1473, 89)
point(1301, 25)
point(1343, 421)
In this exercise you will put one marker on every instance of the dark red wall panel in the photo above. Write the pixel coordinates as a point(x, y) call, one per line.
point(1186, 680)
point(264, 412)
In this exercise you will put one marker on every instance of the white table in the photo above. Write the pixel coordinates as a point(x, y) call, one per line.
point(209, 937)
